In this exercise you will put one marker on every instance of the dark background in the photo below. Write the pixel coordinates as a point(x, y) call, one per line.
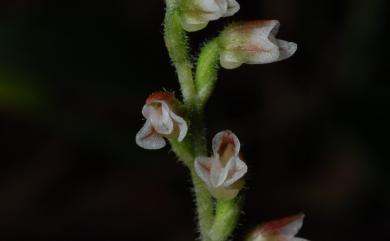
point(74, 76)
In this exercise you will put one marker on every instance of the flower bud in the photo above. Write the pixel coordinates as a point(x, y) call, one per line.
point(197, 13)
point(253, 42)
point(161, 121)
point(283, 229)
point(223, 170)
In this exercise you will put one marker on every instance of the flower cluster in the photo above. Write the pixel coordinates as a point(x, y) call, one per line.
point(217, 178)
point(222, 171)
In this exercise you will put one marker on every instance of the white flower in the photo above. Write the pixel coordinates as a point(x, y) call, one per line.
point(197, 13)
point(253, 42)
point(283, 229)
point(222, 171)
point(160, 121)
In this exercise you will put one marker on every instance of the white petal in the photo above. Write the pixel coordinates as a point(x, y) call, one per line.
point(145, 111)
point(148, 138)
point(160, 119)
point(263, 57)
point(286, 49)
point(209, 5)
point(239, 169)
point(218, 174)
point(232, 8)
point(265, 49)
point(272, 28)
point(292, 228)
point(229, 60)
point(220, 137)
point(183, 128)
point(202, 169)
point(223, 7)
point(191, 24)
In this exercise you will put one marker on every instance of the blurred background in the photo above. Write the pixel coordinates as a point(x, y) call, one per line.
point(75, 74)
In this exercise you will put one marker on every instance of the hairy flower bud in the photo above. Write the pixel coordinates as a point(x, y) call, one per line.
point(197, 13)
point(283, 229)
point(161, 121)
point(222, 171)
point(253, 42)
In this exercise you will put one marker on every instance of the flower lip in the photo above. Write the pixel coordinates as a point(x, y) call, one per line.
point(226, 143)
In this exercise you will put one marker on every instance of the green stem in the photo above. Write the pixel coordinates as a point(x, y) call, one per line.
point(206, 71)
point(176, 42)
point(226, 217)
point(183, 151)
point(204, 206)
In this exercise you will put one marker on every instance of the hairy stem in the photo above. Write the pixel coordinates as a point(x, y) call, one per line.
point(206, 71)
point(176, 42)
point(183, 151)
point(204, 206)
point(226, 217)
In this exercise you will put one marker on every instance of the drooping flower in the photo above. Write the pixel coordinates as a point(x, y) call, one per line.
point(161, 121)
point(222, 172)
point(283, 229)
point(253, 42)
point(197, 13)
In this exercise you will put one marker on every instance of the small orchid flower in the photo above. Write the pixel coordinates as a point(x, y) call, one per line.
point(283, 229)
point(222, 172)
point(161, 121)
point(253, 42)
point(197, 13)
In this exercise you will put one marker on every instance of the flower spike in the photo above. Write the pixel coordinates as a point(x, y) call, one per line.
point(222, 172)
point(161, 121)
point(253, 42)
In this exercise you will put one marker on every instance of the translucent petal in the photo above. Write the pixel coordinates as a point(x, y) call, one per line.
point(286, 49)
point(148, 138)
point(210, 5)
point(160, 118)
point(218, 174)
point(292, 228)
point(202, 169)
point(145, 111)
point(183, 128)
point(237, 168)
point(232, 8)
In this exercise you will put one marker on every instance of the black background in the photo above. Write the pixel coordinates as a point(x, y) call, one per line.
point(74, 76)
